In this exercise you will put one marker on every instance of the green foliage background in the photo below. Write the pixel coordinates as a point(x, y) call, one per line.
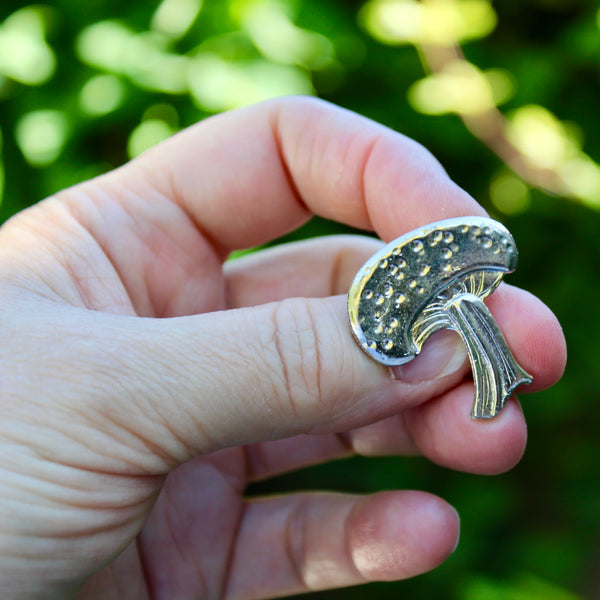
point(530, 534)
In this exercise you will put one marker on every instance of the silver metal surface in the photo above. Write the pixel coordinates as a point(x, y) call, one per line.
point(433, 278)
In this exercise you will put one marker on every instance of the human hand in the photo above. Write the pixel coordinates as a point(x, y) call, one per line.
point(145, 383)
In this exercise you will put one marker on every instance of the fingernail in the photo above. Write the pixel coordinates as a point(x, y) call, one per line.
point(458, 530)
point(442, 355)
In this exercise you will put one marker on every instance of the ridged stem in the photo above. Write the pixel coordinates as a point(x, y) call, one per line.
point(496, 373)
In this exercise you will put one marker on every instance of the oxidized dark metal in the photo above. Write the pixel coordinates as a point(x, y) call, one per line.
point(433, 278)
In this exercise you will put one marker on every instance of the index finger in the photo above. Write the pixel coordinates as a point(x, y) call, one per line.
point(251, 175)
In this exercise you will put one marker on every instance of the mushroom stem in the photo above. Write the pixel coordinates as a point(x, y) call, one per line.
point(496, 373)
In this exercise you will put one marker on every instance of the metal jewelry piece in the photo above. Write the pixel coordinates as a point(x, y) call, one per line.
point(436, 278)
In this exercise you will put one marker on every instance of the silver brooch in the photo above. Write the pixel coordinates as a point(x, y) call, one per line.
point(433, 278)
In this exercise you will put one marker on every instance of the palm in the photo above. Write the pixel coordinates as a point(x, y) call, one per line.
point(193, 516)
point(187, 544)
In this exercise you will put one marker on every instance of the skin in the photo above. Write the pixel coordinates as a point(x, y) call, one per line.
point(145, 383)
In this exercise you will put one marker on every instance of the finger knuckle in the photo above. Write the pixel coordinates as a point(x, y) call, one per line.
point(301, 366)
point(296, 542)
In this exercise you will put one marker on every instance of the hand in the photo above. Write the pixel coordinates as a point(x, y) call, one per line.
point(145, 383)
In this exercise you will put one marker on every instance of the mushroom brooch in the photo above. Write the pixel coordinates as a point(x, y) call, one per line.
point(433, 278)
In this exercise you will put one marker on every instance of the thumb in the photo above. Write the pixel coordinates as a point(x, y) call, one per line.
point(234, 377)
point(196, 384)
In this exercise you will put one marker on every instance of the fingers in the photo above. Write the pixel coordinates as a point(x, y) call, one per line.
point(238, 180)
point(326, 266)
point(171, 388)
point(442, 429)
point(198, 384)
point(312, 268)
point(147, 394)
point(308, 542)
point(533, 333)
point(444, 432)
point(268, 459)
point(248, 176)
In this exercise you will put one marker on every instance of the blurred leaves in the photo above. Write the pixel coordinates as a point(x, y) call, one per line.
point(504, 94)
point(113, 64)
point(437, 23)
point(533, 142)
point(460, 87)
point(174, 18)
point(526, 587)
point(271, 28)
point(41, 135)
point(24, 54)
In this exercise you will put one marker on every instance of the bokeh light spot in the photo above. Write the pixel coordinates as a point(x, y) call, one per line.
point(24, 54)
point(461, 88)
point(538, 134)
point(111, 46)
point(163, 112)
point(582, 177)
point(217, 84)
point(174, 18)
point(41, 136)
point(275, 35)
point(105, 45)
point(147, 134)
point(153, 69)
point(1, 170)
point(510, 194)
point(444, 22)
point(101, 95)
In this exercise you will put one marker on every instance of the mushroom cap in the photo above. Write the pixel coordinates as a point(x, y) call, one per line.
point(397, 284)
